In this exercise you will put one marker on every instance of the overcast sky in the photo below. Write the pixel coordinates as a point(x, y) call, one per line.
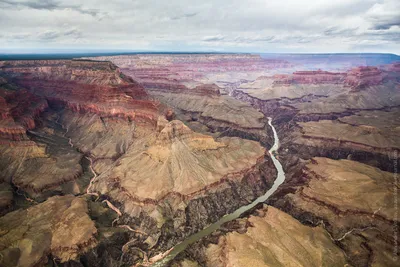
point(201, 25)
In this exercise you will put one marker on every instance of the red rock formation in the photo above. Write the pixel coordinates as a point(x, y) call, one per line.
point(207, 89)
point(182, 82)
point(309, 77)
point(44, 161)
point(84, 86)
point(19, 108)
point(170, 71)
point(176, 88)
point(395, 67)
point(356, 78)
point(361, 77)
point(169, 115)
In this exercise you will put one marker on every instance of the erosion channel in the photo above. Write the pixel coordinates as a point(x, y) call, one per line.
point(230, 217)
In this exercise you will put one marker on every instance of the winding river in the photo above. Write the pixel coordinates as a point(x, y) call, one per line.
point(236, 214)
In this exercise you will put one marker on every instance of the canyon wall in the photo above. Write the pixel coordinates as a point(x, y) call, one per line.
point(116, 160)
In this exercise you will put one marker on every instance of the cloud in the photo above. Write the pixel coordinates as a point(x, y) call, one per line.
point(49, 35)
point(384, 15)
point(212, 25)
point(19, 36)
point(187, 15)
point(73, 32)
point(213, 38)
point(336, 31)
point(44, 4)
point(254, 39)
point(49, 5)
point(44, 36)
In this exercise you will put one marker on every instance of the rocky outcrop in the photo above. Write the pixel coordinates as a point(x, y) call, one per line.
point(368, 136)
point(189, 65)
point(210, 90)
point(274, 238)
point(394, 68)
point(180, 161)
point(221, 114)
point(44, 163)
point(59, 227)
point(99, 137)
point(337, 195)
point(309, 77)
point(6, 197)
point(38, 157)
point(19, 108)
point(155, 172)
point(194, 171)
point(361, 77)
point(316, 95)
point(84, 86)
point(191, 85)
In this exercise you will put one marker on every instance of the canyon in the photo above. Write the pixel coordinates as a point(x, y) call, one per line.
point(200, 160)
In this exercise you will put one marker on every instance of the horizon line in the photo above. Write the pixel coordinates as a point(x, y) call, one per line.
point(120, 52)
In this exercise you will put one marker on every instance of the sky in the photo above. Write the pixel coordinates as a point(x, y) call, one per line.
point(269, 26)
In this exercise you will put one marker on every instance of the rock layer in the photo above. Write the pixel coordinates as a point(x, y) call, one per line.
point(185, 84)
point(158, 171)
point(59, 226)
point(86, 86)
point(188, 169)
point(276, 239)
point(353, 201)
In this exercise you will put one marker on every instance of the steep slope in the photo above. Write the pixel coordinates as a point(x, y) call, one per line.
point(86, 86)
point(190, 85)
point(354, 202)
point(153, 172)
point(59, 227)
point(38, 157)
point(203, 177)
point(98, 133)
point(276, 239)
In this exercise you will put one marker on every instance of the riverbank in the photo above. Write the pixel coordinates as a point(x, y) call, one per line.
point(230, 217)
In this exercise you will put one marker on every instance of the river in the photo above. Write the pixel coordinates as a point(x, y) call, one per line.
point(236, 214)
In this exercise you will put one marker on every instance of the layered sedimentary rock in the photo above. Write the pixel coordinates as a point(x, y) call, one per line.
point(320, 118)
point(87, 86)
point(210, 90)
point(275, 239)
point(59, 227)
point(154, 173)
point(38, 155)
point(36, 172)
point(34, 158)
point(192, 67)
point(194, 171)
point(354, 202)
point(182, 162)
point(190, 85)
point(99, 137)
point(309, 77)
point(361, 77)
point(340, 115)
point(39, 159)
point(99, 131)
point(19, 108)
point(368, 136)
point(221, 114)
point(316, 93)
point(362, 135)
